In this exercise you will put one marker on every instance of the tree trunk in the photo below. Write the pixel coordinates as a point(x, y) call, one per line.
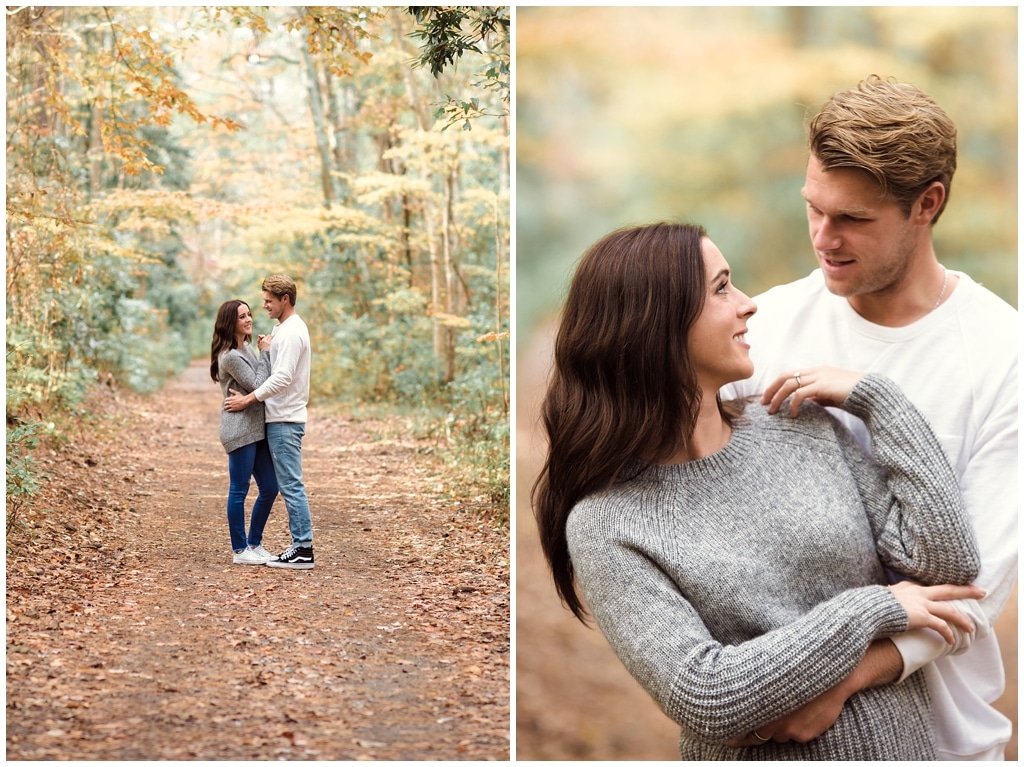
point(435, 283)
point(316, 105)
point(95, 150)
point(449, 277)
point(406, 233)
point(416, 105)
point(336, 121)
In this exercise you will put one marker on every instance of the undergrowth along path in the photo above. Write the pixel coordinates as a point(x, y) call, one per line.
point(131, 636)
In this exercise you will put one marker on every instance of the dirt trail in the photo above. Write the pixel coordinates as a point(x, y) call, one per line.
point(136, 638)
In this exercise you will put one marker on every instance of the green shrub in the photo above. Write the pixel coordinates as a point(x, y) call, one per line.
point(23, 479)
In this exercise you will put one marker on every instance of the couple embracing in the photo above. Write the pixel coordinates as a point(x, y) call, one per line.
point(263, 421)
point(813, 580)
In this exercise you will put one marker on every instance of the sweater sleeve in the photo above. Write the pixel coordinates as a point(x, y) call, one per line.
point(911, 494)
point(714, 691)
point(238, 365)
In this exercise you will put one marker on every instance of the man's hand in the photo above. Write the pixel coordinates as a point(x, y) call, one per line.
point(803, 725)
point(880, 665)
point(238, 401)
point(263, 342)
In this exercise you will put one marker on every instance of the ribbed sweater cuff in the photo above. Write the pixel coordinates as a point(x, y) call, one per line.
point(885, 614)
point(874, 393)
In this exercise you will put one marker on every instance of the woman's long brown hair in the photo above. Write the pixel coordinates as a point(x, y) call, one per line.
point(224, 333)
point(623, 388)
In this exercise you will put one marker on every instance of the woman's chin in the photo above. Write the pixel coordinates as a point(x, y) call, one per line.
point(742, 374)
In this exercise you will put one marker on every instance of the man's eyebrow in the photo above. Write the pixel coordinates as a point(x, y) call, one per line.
point(841, 211)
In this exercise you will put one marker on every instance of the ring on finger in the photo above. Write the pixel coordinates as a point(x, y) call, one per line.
point(797, 377)
point(763, 740)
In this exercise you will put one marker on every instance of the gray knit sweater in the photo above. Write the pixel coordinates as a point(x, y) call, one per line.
point(240, 370)
point(740, 586)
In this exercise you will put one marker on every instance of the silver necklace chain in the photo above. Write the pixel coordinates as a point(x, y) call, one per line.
point(945, 280)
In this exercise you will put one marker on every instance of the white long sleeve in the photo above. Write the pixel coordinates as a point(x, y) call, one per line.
point(286, 392)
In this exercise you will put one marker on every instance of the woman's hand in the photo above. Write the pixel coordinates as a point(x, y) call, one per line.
point(263, 342)
point(927, 606)
point(824, 385)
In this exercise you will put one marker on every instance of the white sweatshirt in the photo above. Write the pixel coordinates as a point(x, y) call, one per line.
point(286, 392)
point(958, 365)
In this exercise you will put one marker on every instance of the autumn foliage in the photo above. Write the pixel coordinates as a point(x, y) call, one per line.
point(163, 160)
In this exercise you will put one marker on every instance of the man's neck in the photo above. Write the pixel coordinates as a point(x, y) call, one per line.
point(916, 296)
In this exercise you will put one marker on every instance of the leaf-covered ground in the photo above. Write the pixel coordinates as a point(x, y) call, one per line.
point(131, 636)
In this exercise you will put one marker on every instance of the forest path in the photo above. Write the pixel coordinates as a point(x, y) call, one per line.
point(131, 636)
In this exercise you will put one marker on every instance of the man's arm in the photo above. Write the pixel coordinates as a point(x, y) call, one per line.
point(880, 665)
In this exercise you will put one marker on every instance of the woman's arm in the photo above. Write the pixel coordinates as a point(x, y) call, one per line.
point(263, 369)
point(719, 692)
point(237, 364)
point(915, 507)
point(714, 691)
point(880, 665)
point(910, 491)
point(902, 438)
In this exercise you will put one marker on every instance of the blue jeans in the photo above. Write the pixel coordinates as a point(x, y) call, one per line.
point(285, 440)
point(243, 464)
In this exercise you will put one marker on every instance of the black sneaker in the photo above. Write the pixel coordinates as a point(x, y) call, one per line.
point(295, 557)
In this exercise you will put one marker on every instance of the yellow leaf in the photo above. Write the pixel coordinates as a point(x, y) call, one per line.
point(451, 320)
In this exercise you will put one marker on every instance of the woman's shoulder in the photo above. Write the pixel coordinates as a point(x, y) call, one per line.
point(813, 424)
point(613, 507)
point(245, 354)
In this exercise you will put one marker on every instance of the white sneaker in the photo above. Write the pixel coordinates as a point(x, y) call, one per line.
point(262, 553)
point(248, 557)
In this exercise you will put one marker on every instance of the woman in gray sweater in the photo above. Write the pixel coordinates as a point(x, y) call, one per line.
point(734, 557)
point(234, 365)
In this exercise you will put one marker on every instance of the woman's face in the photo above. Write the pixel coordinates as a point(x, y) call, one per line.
point(243, 327)
point(718, 348)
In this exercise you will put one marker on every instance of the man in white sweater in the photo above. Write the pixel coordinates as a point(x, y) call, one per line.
point(882, 156)
point(285, 395)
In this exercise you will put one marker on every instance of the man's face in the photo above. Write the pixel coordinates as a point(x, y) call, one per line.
point(275, 306)
point(863, 242)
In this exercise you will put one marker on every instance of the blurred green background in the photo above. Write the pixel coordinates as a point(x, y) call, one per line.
point(633, 115)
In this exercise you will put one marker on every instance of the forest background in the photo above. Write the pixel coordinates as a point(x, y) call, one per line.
point(162, 160)
point(635, 115)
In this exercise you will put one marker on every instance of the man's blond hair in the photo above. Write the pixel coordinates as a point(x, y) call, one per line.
point(894, 131)
point(281, 286)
